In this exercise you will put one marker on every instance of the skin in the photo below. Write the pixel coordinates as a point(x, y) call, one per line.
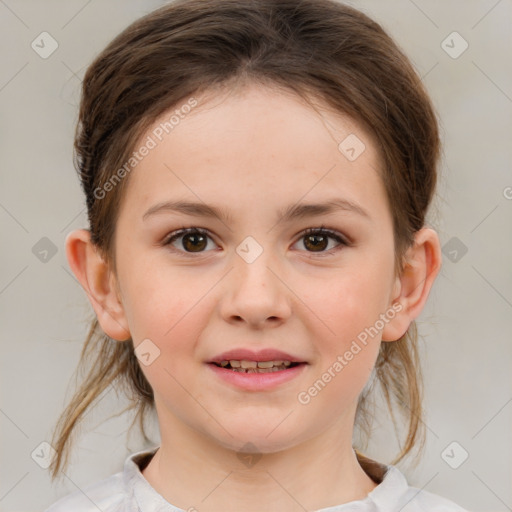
point(255, 152)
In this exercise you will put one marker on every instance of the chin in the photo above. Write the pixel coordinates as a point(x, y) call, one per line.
point(249, 436)
point(256, 445)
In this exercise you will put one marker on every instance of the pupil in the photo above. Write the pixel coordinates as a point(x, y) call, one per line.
point(196, 238)
point(198, 242)
point(311, 238)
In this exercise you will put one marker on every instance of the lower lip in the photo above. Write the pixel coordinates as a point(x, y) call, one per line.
point(257, 381)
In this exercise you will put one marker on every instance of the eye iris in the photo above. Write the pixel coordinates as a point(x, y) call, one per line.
point(316, 245)
point(196, 237)
point(197, 241)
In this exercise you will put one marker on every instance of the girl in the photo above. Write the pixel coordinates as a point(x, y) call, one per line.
point(257, 177)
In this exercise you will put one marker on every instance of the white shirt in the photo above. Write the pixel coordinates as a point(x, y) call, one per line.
point(129, 491)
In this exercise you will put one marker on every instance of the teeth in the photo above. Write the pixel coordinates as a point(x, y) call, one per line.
point(244, 363)
point(247, 366)
point(257, 370)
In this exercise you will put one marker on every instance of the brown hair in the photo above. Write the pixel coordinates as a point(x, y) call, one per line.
point(314, 48)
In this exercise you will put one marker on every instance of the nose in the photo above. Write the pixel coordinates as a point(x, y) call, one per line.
point(256, 293)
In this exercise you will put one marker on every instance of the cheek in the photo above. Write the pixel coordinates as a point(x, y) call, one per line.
point(167, 308)
point(347, 309)
point(173, 320)
point(347, 349)
point(172, 312)
point(350, 301)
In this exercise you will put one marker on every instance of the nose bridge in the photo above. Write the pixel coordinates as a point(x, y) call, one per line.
point(255, 273)
point(255, 292)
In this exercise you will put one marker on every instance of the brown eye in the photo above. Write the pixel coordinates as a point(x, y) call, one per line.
point(190, 240)
point(194, 242)
point(316, 240)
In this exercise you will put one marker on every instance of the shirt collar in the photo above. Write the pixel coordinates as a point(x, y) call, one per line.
point(143, 497)
point(391, 486)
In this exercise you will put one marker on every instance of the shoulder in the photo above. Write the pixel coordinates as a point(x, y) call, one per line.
point(419, 500)
point(116, 493)
point(394, 493)
point(107, 495)
point(416, 500)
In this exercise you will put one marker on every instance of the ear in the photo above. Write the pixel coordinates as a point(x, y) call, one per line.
point(411, 289)
point(99, 283)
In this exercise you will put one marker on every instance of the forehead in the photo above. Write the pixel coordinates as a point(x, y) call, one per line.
point(260, 142)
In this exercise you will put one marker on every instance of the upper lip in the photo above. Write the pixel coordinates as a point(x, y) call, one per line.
point(267, 354)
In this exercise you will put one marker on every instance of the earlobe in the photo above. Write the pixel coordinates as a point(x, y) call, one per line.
point(97, 280)
point(422, 264)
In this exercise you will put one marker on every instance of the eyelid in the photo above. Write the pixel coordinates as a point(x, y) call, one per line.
point(184, 231)
point(340, 237)
point(343, 240)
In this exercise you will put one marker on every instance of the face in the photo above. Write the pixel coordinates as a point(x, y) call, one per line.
point(254, 279)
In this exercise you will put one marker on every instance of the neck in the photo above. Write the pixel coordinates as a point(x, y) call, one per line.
point(200, 474)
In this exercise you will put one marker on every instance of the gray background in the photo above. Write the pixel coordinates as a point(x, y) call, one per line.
point(466, 325)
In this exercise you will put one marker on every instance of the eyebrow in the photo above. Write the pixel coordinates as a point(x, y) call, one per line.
point(295, 211)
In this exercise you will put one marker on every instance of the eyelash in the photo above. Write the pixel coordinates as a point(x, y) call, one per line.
point(343, 241)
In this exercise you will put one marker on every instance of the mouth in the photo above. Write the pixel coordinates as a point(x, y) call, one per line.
point(263, 370)
point(247, 366)
point(257, 376)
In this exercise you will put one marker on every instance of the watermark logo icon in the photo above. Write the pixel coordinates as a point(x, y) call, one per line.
point(454, 455)
point(44, 250)
point(454, 249)
point(249, 249)
point(44, 45)
point(249, 456)
point(454, 45)
point(43, 454)
point(146, 352)
point(352, 147)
